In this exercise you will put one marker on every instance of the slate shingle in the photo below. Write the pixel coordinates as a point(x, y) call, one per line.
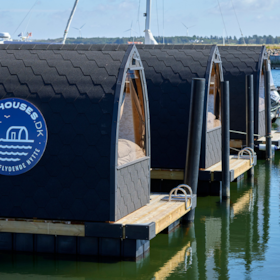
point(239, 61)
point(75, 92)
point(169, 71)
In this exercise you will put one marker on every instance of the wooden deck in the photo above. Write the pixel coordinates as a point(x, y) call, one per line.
point(237, 167)
point(161, 213)
point(275, 140)
point(42, 227)
point(167, 174)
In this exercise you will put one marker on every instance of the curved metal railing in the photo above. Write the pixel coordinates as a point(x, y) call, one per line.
point(250, 152)
point(183, 188)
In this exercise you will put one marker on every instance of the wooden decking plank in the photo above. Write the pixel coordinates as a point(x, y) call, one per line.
point(138, 214)
point(275, 136)
point(167, 220)
point(42, 228)
point(237, 162)
point(232, 164)
point(164, 208)
point(167, 174)
point(163, 216)
point(162, 213)
point(242, 168)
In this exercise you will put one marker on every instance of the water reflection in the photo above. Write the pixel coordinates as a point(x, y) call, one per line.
point(236, 231)
point(236, 238)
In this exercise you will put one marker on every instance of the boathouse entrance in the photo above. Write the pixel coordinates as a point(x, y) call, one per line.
point(169, 72)
point(239, 61)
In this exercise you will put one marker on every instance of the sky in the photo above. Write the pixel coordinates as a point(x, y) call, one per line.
point(111, 18)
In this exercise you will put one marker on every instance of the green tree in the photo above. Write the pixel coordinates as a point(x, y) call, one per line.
point(269, 40)
point(258, 40)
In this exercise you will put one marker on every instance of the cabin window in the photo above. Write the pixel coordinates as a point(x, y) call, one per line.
point(132, 126)
point(214, 100)
point(261, 93)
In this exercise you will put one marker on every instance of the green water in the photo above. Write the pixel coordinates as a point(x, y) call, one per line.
point(237, 239)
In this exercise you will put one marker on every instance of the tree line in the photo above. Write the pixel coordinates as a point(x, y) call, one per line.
point(255, 39)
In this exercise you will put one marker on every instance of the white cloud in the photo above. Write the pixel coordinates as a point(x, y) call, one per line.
point(242, 6)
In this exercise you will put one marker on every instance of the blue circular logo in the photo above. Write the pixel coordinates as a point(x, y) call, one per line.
point(23, 136)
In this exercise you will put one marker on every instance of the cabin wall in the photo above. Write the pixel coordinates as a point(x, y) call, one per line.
point(211, 142)
point(213, 147)
point(133, 187)
point(261, 131)
point(261, 113)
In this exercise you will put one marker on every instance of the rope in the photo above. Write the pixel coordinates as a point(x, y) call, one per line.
point(240, 132)
point(235, 149)
point(138, 16)
point(238, 22)
point(223, 19)
point(26, 16)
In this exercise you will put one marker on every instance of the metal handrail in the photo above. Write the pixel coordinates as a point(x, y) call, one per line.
point(251, 149)
point(182, 188)
point(250, 152)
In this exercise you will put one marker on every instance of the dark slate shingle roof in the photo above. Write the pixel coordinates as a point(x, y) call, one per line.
point(239, 61)
point(169, 71)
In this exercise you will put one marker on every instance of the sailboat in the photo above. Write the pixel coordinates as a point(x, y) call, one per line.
point(274, 98)
point(5, 38)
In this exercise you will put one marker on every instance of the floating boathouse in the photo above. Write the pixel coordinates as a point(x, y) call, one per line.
point(75, 152)
point(239, 61)
point(169, 72)
point(94, 102)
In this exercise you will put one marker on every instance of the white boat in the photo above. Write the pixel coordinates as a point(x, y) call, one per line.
point(5, 36)
point(274, 98)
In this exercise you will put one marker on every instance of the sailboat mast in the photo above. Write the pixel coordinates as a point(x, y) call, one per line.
point(69, 21)
point(148, 15)
point(149, 38)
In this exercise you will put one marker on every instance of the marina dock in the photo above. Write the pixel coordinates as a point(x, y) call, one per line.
point(208, 177)
point(129, 236)
point(106, 134)
point(237, 168)
point(275, 140)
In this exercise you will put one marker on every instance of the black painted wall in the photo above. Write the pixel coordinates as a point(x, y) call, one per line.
point(74, 88)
